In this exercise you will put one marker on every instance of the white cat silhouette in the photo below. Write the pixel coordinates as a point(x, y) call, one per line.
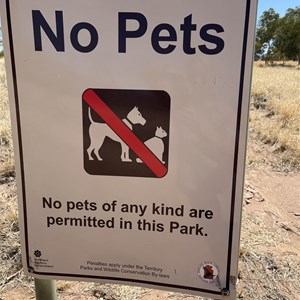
point(156, 145)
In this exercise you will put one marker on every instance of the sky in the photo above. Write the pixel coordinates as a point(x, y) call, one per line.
point(280, 6)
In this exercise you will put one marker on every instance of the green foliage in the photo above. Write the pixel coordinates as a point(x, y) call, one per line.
point(278, 38)
point(265, 34)
point(1, 51)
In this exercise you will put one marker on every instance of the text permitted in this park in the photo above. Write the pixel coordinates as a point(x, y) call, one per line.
point(130, 143)
point(126, 208)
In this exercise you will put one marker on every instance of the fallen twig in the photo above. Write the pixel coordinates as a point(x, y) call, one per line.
point(8, 279)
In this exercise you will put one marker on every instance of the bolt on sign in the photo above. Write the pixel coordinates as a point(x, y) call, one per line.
point(129, 122)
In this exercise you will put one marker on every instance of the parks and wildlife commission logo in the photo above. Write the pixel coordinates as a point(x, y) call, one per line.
point(208, 272)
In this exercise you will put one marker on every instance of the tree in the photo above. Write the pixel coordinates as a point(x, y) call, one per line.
point(265, 35)
point(288, 35)
point(1, 51)
point(278, 38)
point(1, 44)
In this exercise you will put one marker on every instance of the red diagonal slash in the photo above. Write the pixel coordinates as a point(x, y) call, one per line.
point(119, 127)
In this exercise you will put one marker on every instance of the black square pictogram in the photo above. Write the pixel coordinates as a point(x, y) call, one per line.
point(126, 132)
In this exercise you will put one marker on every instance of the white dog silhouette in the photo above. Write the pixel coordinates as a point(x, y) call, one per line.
point(98, 132)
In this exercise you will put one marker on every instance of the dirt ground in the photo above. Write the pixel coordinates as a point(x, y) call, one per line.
point(281, 194)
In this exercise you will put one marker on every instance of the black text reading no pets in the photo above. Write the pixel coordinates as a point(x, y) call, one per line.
point(164, 36)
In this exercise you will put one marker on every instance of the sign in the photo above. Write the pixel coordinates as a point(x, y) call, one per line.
point(151, 153)
point(129, 122)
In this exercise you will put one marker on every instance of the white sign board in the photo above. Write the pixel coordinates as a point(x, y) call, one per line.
point(129, 122)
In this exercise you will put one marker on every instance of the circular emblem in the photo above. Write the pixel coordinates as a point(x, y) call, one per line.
point(37, 253)
point(208, 272)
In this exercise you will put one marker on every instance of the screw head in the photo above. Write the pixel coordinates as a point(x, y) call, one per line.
point(225, 292)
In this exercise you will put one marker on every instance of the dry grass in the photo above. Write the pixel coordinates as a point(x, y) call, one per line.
point(268, 276)
point(275, 111)
point(257, 232)
point(6, 153)
point(10, 259)
point(264, 273)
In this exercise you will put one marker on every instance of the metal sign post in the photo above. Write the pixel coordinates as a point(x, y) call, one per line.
point(45, 289)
